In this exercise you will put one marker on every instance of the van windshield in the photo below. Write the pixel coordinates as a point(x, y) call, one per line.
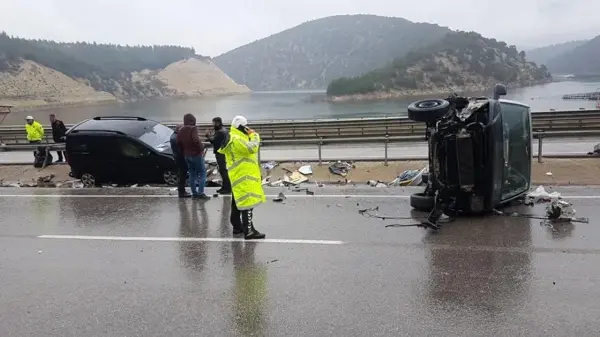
point(158, 137)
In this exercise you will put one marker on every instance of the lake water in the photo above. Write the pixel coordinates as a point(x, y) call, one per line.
point(290, 105)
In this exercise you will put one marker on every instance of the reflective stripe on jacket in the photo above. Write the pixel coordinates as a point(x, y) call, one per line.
point(35, 131)
point(241, 153)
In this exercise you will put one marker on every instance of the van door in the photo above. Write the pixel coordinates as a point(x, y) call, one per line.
point(137, 163)
point(516, 120)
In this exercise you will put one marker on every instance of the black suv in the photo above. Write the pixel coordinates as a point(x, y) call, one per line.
point(122, 150)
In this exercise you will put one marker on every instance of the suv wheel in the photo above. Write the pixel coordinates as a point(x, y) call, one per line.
point(428, 110)
point(88, 180)
point(170, 177)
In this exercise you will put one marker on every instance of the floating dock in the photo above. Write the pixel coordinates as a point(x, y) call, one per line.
point(590, 96)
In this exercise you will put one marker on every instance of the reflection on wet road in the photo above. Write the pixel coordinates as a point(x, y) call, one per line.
point(326, 270)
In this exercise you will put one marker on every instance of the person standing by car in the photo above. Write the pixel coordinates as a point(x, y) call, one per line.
point(181, 165)
point(191, 147)
point(216, 139)
point(34, 130)
point(241, 153)
point(58, 134)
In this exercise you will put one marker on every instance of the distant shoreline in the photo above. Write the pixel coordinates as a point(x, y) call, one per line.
point(25, 108)
point(415, 93)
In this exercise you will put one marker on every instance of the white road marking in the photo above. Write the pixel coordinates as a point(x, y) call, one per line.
point(180, 239)
point(290, 195)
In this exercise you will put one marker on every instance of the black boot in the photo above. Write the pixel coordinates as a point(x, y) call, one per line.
point(250, 233)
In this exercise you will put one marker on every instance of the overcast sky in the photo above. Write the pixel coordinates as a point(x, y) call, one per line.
point(216, 26)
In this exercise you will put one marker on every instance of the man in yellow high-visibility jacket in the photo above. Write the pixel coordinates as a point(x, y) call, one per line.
point(241, 154)
point(34, 130)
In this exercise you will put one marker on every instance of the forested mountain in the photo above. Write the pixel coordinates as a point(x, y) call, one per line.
point(39, 72)
point(460, 61)
point(582, 60)
point(312, 54)
point(543, 55)
point(98, 63)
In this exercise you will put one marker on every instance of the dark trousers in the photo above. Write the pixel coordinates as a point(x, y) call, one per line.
point(60, 155)
point(241, 220)
point(35, 142)
point(181, 174)
point(222, 163)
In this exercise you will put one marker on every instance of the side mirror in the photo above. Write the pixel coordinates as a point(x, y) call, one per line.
point(499, 90)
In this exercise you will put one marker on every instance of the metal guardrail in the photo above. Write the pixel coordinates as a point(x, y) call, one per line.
point(552, 121)
point(320, 142)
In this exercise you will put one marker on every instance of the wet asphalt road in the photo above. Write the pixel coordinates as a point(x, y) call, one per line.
point(476, 277)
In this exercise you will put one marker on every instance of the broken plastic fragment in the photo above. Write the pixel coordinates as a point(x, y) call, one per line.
point(306, 169)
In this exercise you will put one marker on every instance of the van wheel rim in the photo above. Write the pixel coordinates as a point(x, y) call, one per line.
point(170, 178)
point(88, 180)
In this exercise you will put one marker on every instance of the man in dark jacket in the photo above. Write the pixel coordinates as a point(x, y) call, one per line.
point(181, 165)
point(58, 134)
point(191, 147)
point(216, 139)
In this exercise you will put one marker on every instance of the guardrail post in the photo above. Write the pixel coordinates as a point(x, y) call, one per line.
point(540, 146)
point(387, 140)
point(320, 151)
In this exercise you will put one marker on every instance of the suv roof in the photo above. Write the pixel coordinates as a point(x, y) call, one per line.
point(131, 126)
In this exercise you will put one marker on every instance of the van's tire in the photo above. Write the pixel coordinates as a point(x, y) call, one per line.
point(88, 180)
point(428, 110)
point(422, 202)
point(170, 177)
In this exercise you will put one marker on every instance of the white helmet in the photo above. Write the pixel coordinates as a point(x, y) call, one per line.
point(28, 118)
point(239, 121)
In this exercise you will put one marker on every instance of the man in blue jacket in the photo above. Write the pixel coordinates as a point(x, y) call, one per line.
point(181, 165)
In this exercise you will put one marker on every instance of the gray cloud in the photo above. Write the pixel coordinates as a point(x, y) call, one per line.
point(214, 27)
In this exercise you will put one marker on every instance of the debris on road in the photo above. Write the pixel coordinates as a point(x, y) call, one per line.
point(410, 178)
point(297, 178)
point(540, 195)
point(46, 181)
point(308, 192)
point(270, 165)
point(280, 197)
point(306, 170)
point(340, 168)
point(376, 183)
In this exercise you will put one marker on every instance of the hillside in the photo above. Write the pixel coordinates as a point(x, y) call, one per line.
point(460, 61)
point(36, 73)
point(543, 55)
point(582, 60)
point(312, 54)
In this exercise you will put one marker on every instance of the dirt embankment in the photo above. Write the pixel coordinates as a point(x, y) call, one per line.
point(30, 85)
point(551, 172)
point(33, 85)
